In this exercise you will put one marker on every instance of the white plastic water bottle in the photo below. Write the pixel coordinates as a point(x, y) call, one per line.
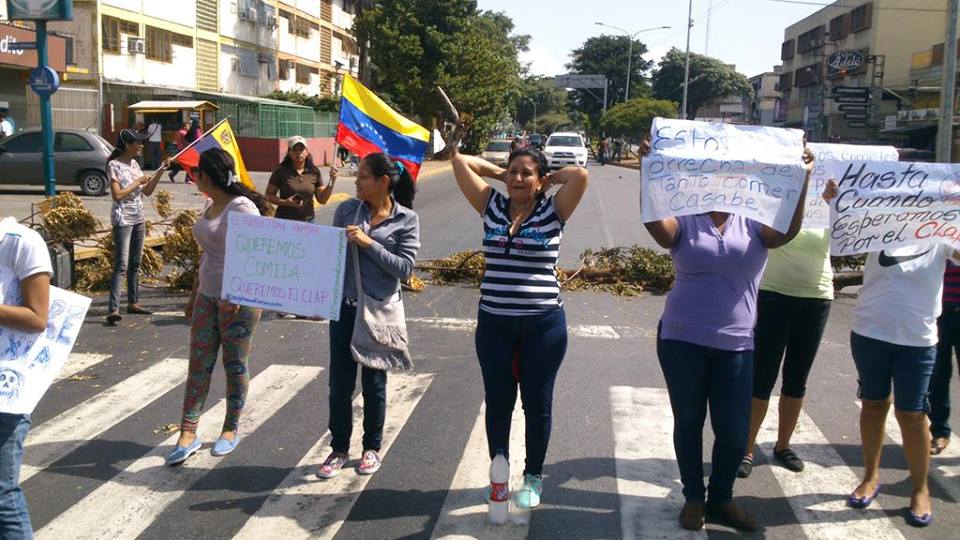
point(498, 506)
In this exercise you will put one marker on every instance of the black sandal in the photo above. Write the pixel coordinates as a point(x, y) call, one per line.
point(746, 466)
point(788, 459)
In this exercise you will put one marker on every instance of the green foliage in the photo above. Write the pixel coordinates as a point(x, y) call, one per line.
point(549, 100)
point(419, 44)
point(607, 55)
point(318, 103)
point(710, 78)
point(633, 118)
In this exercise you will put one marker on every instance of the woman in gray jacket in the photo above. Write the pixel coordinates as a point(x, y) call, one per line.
point(386, 232)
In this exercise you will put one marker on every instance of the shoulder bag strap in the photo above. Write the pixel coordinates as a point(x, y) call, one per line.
point(355, 253)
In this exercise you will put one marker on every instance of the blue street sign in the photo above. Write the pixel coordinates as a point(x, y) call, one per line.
point(40, 10)
point(44, 81)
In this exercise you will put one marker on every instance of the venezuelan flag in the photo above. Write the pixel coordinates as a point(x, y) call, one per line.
point(221, 136)
point(369, 125)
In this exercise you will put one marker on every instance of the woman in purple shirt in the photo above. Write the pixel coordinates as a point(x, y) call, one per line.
point(706, 347)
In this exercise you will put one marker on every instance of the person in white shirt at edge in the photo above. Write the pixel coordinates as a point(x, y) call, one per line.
point(25, 272)
point(894, 338)
point(128, 184)
point(6, 126)
point(154, 144)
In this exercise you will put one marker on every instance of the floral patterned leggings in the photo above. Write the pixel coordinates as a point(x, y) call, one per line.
point(211, 328)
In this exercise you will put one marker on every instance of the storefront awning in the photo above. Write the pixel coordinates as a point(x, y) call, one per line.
point(172, 106)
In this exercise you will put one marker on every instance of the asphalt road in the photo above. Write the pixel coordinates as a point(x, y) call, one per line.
point(94, 458)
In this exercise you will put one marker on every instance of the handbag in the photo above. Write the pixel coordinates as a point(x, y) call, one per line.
point(379, 339)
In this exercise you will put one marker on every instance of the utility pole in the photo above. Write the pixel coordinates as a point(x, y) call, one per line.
point(948, 86)
point(706, 42)
point(626, 92)
point(686, 69)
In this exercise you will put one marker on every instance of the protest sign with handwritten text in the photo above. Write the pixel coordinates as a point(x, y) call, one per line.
point(283, 265)
point(885, 204)
point(29, 361)
point(696, 167)
point(816, 214)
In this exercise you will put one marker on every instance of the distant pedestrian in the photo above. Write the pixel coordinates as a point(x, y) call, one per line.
point(180, 139)
point(154, 141)
point(128, 185)
point(216, 325)
point(25, 272)
point(617, 149)
point(521, 336)
point(514, 144)
point(602, 151)
point(948, 344)
point(6, 125)
point(893, 344)
point(385, 233)
point(194, 132)
point(705, 348)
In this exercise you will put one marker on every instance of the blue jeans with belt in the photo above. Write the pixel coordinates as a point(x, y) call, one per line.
point(14, 517)
point(531, 349)
point(343, 380)
point(127, 254)
point(698, 377)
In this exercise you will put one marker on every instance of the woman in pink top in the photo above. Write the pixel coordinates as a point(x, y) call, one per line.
point(216, 323)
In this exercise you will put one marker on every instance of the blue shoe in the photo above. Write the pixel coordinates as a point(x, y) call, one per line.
point(916, 520)
point(223, 447)
point(529, 495)
point(181, 453)
point(855, 501)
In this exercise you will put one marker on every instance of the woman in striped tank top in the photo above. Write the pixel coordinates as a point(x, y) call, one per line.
point(521, 333)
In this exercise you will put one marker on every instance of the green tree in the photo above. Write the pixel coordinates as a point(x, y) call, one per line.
point(319, 103)
point(710, 78)
point(549, 100)
point(473, 55)
point(633, 118)
point(607, 55)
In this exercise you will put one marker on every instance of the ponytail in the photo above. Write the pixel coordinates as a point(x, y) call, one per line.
point(402, 186)
point(218, 165)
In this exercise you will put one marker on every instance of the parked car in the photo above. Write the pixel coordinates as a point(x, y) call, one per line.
point(565, 148)
point(497, 152)
point(80, 159)
point(536, 140)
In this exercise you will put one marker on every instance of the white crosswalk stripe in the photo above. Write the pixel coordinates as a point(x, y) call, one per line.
point(304, 506)
point(66, 432)
point(818, 494)
point(464, 513)
point(139, 493)
point(78, 362)
point(647, 476)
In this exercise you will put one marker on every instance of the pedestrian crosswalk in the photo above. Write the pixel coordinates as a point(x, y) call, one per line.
point(647, 493)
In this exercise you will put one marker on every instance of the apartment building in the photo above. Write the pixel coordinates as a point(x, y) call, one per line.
point(876, 40)
point(763, 105)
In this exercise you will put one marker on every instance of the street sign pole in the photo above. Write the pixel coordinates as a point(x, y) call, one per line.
point(46, 116)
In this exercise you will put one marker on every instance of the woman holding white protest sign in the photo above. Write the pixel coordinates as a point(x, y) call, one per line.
point(521, 336)
point(706, 348)
point(384, 234)
point(215, 323)
point(893, 342)
point(25, 272)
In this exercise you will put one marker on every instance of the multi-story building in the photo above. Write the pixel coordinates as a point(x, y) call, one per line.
point(765, 102)
point(883, 34)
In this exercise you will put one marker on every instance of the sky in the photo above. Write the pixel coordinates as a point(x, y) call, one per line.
point(747, 33)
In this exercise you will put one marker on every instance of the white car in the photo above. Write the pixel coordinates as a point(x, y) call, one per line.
point(565, 148)
point(497, 152)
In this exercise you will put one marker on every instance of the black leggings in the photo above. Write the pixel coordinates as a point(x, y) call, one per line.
point(791, 324)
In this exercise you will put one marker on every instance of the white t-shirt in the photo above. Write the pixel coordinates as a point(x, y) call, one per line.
point(6, 128)
point(23, 253)
point(900, 299)
point(155, 131)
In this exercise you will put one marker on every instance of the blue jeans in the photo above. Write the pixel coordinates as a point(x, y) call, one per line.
point(523, 351)
point(948, 329)
point(127, 254)
point(343, 380)
point(699, 376)
point(881, 364)
point(14, 517)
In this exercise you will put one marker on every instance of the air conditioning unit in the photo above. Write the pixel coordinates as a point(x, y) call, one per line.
point(136, 45)
point(272, 21)
point(247, 14)
point(264, 58)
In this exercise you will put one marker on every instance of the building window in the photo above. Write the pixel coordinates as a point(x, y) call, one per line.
point(861, 17)
point(304, 72)
point(284, 69)
point(70, 44)
point(786, 50)
point(786, 82)
point(112, 29)
point(160, 44)
point(839, 27)
point(810, 40)
point(808, 75)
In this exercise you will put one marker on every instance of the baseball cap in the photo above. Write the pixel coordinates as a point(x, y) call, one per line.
point(130, 136)
point(295, 140)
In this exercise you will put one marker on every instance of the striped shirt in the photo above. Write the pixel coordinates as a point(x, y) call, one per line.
point(520, 275)
point(951, 285)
